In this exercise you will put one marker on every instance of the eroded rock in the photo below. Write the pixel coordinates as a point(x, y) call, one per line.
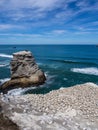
point(24, 72)
point(7, 124)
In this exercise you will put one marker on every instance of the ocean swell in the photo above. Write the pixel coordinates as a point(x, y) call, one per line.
point(72, 61)
point(90, 70)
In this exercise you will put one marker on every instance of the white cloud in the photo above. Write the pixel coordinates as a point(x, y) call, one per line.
point(33, 4)
point(86, 6)
point(34, 13)
point(58, 32)
point(27, 9)
point(9, 26)
point(38, 9)
point(82, 4)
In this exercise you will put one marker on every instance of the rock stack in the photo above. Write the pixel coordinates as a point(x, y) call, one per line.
point(24, 72)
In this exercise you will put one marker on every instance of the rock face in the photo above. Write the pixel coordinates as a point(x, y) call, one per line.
point(23, 65)
point(24, 71)
point(7, 124)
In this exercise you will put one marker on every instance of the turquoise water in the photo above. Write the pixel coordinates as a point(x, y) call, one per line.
point(64, 65)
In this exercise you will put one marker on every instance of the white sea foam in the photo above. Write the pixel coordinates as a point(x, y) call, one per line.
point(46, 73)
point(4, 80)
point(90, 70)
point(19, 91)
point(5, 55)
point(3, 65)
point(50, 78)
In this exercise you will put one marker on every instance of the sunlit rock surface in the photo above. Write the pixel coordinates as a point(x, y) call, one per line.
point(24, 72)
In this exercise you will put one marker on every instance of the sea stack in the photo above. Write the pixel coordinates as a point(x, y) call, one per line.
point(24, 72)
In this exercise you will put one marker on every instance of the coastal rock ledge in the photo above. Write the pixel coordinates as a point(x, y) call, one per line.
point(24, 72)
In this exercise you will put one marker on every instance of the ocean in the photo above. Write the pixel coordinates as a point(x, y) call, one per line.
point(64, 65)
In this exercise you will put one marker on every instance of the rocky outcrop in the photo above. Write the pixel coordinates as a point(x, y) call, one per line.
point(7, 124)
point(24, 72)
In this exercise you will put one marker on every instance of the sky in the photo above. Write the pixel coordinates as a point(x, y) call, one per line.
point(48, 21)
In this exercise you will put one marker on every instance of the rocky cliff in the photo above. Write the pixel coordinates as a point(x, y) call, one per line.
point(24, 72)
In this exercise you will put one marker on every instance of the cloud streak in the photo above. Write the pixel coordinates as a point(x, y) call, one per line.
point(49, 17)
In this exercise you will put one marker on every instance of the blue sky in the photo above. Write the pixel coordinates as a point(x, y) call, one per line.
point(48, 21)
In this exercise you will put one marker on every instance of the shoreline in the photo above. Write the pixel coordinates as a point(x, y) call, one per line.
point(67, 108)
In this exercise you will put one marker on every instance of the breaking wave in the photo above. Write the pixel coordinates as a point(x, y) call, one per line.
point(3, 65)
point(19, 91)
point(90, 71)
point(6, 56)
point(4, 80)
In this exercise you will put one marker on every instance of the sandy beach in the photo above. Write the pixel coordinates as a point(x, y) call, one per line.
point(74, 108)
